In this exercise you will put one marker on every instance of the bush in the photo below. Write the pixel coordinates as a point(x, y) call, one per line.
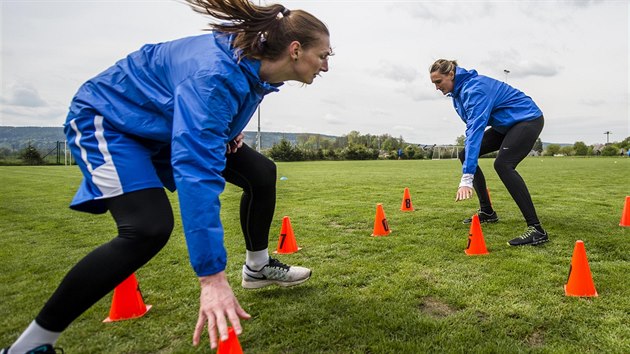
point(30, 156)
point(552, 149)
point(610, 150)
point(567, 150)
point(283, 151)
point(413, 152)
point(580, 148)
point(331, 154)
point(359, 152)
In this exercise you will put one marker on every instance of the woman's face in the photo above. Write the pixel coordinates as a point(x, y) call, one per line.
point(310, 62)
point(443, 82)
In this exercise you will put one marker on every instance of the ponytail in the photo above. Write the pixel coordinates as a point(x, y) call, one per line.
point(262, 32)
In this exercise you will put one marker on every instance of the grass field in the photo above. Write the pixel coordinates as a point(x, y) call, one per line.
point(411, 292)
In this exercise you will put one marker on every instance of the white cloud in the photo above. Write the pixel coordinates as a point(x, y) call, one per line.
point(592, 102)
point(446, 12)
point(395, 72)
point(332, 119)
point(31, 116)
point(557, 52)
point(24, 95)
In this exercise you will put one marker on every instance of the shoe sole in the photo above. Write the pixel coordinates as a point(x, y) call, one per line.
point(540, 242)
point(492, 221)
point(263, 283)
point(530, 244)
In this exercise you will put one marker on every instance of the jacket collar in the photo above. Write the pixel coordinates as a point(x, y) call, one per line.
point(461, 77)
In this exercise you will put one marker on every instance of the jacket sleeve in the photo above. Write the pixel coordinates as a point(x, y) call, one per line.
point(203, 109)
point(478, 108)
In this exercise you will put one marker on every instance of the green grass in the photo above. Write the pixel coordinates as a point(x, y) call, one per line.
point(413, 291)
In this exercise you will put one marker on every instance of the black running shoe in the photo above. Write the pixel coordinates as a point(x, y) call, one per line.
point(42, 349)
point(530, 237)
point(483, 217)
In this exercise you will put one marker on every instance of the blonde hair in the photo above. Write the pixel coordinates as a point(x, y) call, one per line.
point(443, 66)
point(262, 32)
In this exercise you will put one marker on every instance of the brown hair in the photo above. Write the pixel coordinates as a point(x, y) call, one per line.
point(443, 66)
point(261, 31)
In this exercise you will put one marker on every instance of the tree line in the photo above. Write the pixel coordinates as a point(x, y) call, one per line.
point(353, 146)
point(579, 148)
point(357, 146)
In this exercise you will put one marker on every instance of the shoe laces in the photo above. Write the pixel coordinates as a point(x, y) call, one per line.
point(530, 230)
point(274, 263)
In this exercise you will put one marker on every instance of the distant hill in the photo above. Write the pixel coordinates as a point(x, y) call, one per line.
point(16, 138)
point(269, 139)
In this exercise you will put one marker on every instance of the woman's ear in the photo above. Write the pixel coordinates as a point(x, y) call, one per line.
point(295, 48)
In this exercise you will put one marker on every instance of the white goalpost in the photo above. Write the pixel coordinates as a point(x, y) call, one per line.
point(450, 152)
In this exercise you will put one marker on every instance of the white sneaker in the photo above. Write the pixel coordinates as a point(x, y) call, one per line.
point(275, 272)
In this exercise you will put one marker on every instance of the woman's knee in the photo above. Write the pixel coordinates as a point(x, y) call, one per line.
point(147, 231)
point(502, 166)
point(159, 231)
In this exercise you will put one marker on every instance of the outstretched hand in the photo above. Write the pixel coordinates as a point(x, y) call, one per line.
point(217, 301)
point(463, 193)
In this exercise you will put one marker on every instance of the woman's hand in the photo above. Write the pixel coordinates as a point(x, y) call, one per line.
point(463, 193)
point(235, 144)
point(217, 301)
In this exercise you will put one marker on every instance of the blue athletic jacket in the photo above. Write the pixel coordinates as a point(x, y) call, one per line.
point(481, 101)
point(194, 95)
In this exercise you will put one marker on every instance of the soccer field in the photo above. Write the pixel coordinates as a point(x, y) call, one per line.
point(410, 292)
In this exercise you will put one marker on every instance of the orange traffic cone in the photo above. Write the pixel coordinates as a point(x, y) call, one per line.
point(127, 301)
point(286, 241)
point(406, 202)
point(230, 345)
point(381, 228)
point(625, 215)
point(476, 243)
point(580, 282)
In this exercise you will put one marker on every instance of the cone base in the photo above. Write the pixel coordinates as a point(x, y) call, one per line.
point(593, 294)
point(387, 234)
point(108, 319)
point(622, 224)
point(469, 253)
point(283, 252)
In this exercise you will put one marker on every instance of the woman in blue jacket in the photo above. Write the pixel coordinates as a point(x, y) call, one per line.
point(515, 123)
point(171, 115)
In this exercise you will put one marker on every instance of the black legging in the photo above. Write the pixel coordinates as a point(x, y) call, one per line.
point(256, 175)
point(145, 222)
point(513, 147)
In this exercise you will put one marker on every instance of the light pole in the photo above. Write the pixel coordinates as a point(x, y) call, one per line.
point(258, 147)
point(607, 135)
point(506, 71)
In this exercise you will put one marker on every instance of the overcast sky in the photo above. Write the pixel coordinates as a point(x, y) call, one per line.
point(571, 57)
